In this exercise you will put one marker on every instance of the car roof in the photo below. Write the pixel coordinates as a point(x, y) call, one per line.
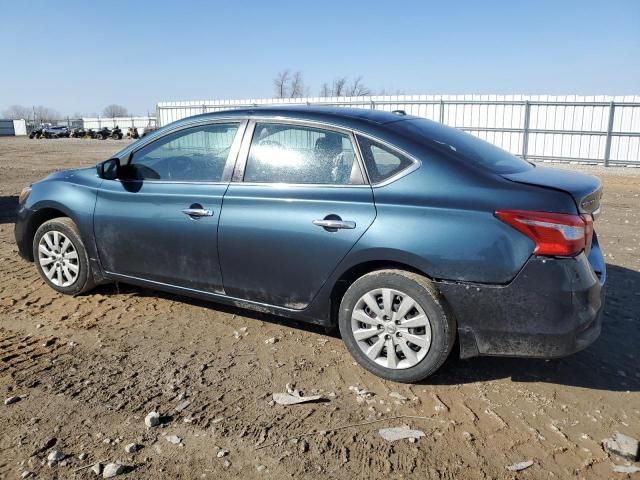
point(327, 114)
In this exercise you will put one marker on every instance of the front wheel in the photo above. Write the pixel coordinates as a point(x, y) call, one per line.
point(395, 325)
point(61, 258)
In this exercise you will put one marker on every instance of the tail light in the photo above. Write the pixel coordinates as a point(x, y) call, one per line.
point(554, 234)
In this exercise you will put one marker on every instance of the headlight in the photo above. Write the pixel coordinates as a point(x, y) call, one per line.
point(24, 194)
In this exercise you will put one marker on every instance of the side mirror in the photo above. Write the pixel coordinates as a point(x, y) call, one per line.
point(109, 169)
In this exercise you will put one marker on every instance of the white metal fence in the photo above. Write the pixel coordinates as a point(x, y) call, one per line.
point(602, 129)
point(123, 122)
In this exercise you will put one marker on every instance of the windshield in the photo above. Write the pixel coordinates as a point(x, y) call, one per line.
point(466, 146)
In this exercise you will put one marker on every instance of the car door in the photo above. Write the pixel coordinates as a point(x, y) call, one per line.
point(158, 221)
point(298, 203)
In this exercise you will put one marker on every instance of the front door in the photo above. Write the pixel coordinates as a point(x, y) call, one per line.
point(298, 207)
point(159, 221)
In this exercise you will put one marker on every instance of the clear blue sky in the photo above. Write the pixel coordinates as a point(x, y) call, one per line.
point(72, 56)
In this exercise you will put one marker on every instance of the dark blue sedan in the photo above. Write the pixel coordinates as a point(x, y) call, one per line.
point(410, 236)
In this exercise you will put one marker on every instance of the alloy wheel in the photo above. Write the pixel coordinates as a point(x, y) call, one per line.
point(58, 258)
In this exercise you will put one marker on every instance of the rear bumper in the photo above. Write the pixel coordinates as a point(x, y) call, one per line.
point(551, 309)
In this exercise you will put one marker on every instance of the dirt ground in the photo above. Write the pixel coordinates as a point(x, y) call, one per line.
point(90, 368)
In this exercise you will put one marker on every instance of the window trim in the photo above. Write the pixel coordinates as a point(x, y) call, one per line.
point(231, 157)
point(243, 156)
point(405, 171)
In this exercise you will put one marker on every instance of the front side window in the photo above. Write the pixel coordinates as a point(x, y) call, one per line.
point(381, 161)
point(294, 154)
point(197, 154)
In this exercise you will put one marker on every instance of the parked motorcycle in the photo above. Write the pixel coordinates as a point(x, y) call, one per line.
point(132, 133)
point(116, 133)
point(78, 133)
point(36, 133)
point(103, 133)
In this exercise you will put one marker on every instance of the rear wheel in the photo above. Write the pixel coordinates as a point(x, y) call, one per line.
point(61, 258)
point(395, 325)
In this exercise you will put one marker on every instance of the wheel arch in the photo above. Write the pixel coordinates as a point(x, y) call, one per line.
point(40, 216)
point(351, 274)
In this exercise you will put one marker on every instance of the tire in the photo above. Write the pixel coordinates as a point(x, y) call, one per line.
point(65, 281)
point(434, 340)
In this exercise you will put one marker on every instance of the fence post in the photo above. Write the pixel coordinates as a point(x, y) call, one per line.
point(607, 146)
point(525, 130)
point(441, 113)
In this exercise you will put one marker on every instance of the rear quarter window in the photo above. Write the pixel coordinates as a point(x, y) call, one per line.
point(382, 162)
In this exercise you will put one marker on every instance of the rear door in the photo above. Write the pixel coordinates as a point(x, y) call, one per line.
point(159, 222)
point(298, 203)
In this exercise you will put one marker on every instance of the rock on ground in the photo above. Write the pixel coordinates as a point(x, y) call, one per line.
point(112, 469)
point(289, 399)
point(54, 457)
point(152, 419)
point(626, 469)
point(132, 448)
point(182, 405)
point(623, 445)
point(11, 400)
point(516, 467)
point(399, 433)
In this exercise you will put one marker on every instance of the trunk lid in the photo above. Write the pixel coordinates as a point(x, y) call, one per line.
point(586, 190)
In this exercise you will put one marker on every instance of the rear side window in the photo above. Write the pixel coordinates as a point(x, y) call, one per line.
point(295, 154)
point(462, 145)
point(381, 162)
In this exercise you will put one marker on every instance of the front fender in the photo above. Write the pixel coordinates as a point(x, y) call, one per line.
point(74, 200)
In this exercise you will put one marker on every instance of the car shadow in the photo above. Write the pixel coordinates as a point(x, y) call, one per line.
point(8, 206)
point(610, 363)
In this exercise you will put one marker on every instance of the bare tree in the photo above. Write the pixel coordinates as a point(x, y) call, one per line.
point(296, 86)
point(339, 87)
point(17, 112)
point(115, 110)
point(281, 84)
point(357, 88)
point(44, 114)
point(325, 91)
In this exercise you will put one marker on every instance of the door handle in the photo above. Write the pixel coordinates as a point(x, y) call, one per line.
point(335, 224)
point(197, 212)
